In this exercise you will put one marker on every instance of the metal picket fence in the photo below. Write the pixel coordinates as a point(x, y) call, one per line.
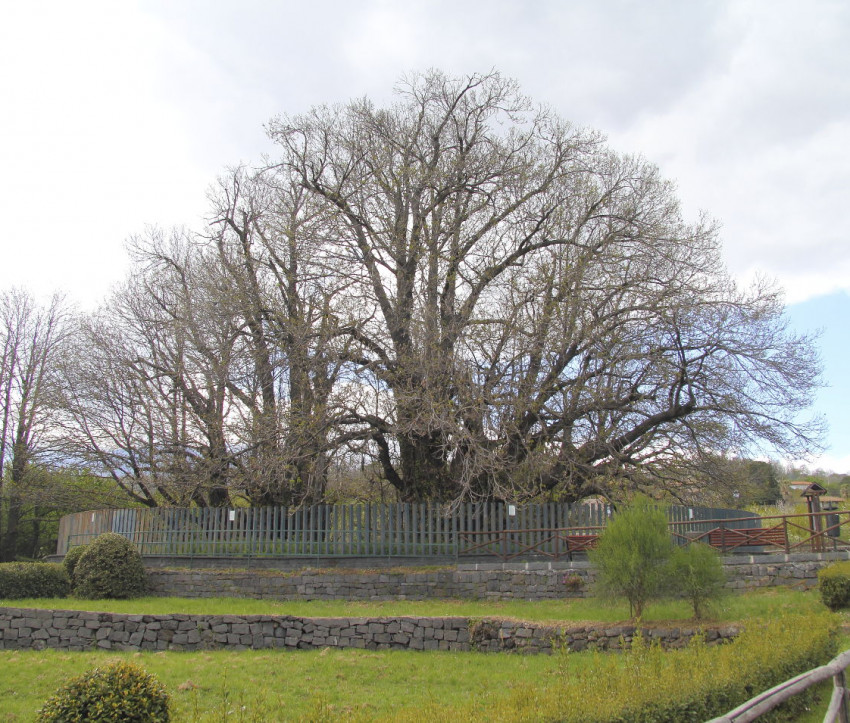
point(362, 529)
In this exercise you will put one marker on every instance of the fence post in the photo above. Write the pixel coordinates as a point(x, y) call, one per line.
point(455, 538)
point(787, 539)
point(840, 683)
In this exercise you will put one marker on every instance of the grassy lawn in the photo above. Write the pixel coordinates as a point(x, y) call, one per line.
point(296, 685)
point(761, 603)
point(333, 684)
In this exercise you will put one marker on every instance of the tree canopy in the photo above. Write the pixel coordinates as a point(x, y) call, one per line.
point(461, 290)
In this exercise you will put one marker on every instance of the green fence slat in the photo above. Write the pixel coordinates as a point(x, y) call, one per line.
point(187, 532)
point(431, 547)
point(367, 528)
point(415, 525)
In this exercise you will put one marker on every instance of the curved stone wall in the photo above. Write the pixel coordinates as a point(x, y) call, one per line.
point(490, 580)
point(22, 628)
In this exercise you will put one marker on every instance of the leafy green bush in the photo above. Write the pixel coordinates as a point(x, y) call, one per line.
point(834, 584)
point(632, 554)
point(110, 567)
point(697, 575)
point(112, 694)
point(72, 557)
point(32, 579)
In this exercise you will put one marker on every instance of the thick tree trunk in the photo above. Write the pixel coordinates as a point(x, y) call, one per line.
point(423, 469)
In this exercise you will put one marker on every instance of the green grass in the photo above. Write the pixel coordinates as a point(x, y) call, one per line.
point(281, 685)
point(305, 685)
point(761, 603)
point(334, 684)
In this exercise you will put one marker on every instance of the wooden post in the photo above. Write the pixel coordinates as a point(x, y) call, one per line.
point(839, 682)
point(812, 494)
point(787, 539)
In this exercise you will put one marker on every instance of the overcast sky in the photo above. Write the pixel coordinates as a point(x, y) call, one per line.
point(114, 115)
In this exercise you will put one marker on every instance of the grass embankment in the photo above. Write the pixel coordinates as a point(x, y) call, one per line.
point(354, 684)
point(758, 604)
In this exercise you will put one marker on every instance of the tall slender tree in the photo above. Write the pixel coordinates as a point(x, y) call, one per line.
point(31, 336)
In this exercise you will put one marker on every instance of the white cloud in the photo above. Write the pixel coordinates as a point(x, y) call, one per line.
point(95, 141)
point(838, 464)
point(763, 143)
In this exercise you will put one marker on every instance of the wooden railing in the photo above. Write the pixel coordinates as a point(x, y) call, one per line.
point(839, 704)
point(508, 544)
point(785, 533)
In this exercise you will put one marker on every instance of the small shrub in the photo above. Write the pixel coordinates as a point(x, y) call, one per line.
point(72, 557)
point(32, 579)
point(110, 567)
point(632, 554)
point(834, 584)
point(573, 583)
point(697, 575)
point(112, 694)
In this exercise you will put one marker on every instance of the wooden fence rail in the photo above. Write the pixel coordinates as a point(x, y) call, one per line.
point(396, 530)
point(839, 705)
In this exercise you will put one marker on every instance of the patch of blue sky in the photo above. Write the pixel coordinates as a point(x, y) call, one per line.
point(831, 315)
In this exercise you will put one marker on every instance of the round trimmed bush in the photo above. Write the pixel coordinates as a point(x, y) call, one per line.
point(113, 694)
point(110, 567)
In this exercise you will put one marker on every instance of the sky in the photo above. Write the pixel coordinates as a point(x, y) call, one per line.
point(119, 115)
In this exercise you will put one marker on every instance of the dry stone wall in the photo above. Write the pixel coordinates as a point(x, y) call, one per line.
point(537, 583)
point(490, 580)
point(74, 630)
point(22, 628)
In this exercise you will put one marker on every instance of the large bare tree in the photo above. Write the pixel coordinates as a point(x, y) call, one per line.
point(482, 299)
point(119, 420)
point(146, 397)
point(530, 311)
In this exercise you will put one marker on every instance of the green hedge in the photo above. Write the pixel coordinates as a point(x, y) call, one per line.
point(32, 579)
point(835, 585)
point(650, 685)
